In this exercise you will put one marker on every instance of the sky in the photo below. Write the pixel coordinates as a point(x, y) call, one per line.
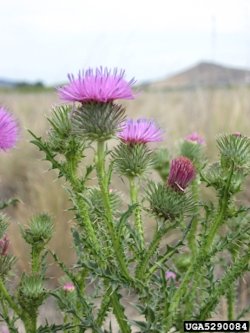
point(45, 40)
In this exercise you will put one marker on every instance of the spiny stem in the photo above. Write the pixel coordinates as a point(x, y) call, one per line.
point(82, 206)
point(202, 255)
point(220, 217)
point(35, 259)
point(228, 279)
point(9, 299)
point(192, 233)
point(103, 183)
point(230, 303)
point(119, 314)
point(138, 219)
point(150, 251)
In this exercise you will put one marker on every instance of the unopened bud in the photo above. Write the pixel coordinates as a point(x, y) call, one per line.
point(182, 172)
point(4, 245)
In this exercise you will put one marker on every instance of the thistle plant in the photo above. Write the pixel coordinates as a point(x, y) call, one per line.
point(166, 280)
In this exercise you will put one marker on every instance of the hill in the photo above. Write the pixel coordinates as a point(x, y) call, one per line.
point(5, 83)
point(205, 74)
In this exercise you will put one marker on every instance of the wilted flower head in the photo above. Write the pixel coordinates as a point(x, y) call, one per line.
point(99, 85)
point(181, 173)
point(169, 275)
point(140, 131)
point(8, 130)
point(68, 287)
point(4, 245)
point(196, 138)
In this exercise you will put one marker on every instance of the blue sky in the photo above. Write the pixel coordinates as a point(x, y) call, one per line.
point(44, 40)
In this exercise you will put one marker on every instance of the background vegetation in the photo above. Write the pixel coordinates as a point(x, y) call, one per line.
point(23, 174)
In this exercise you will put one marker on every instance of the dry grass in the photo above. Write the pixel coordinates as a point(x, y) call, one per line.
point(23, 174)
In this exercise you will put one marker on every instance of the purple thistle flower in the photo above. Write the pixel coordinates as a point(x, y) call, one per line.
point(4, 245)
point(237, 134)
point(181, 173)
point(68, 287)
point(196, 138)
point(101, 85)
point(8, 130)
point(140, 131)
point(4, 329)
point(169, 275)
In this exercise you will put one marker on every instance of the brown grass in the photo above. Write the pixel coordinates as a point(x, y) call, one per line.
point(24, 175)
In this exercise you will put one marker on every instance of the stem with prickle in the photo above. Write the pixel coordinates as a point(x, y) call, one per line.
point(200, 258)
point(103, 183)
point(138, 219)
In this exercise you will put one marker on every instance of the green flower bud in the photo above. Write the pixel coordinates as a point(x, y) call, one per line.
point(161, 162)
point(39, 231)
point(97, 121)
point(167, 203)
point(61, 138)
point(183, 262)
point(234, 148)
point(132, 160)
point(31, 293)
point(193, 151)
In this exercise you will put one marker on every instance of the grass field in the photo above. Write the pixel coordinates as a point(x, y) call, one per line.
point(23, 174)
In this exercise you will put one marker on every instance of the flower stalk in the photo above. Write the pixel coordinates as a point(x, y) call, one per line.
point(103, 183)
point(138, 218)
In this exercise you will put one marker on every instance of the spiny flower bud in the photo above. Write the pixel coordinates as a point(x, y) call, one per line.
point(39, 231)
point(181, 173)
point(234, 148)
point(161, 162)
point(167, 203)
point(4, 245)
point(97, 121)
point(132, 160)
point(31, 293)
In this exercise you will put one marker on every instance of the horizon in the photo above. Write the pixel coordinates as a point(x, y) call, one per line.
point(153, 80)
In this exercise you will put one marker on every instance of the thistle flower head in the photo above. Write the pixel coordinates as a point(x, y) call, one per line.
point(167, 203)
point(181, 173)
point(68, 287)
point(8, 130)
point(99, 85)
point(195, 138)
point(234, 148)
point(97, 121)
point(237, 134)
point(140, 131)
point(132, 160)
point(4, 245)
point(169, 275)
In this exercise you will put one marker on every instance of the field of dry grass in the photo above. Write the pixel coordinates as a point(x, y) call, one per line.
point(23, 174)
